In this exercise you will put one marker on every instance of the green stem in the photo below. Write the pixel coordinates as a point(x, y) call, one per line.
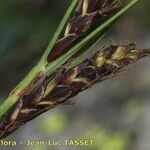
point(97, 32)
point(59, 30)
point(12, 99)
point(40, 67)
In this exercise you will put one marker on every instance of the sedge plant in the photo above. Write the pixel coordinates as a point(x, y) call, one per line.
point(58, 76)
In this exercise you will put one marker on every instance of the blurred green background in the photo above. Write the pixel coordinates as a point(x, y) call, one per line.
point(115, 113)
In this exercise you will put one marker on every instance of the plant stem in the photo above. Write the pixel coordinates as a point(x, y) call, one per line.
point(40, 67)
point(41, 80)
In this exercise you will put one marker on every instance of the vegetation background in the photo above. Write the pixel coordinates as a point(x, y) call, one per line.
point(115, 113)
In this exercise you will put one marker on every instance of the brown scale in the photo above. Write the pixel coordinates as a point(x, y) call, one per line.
point(103, 65)
point(80, 24)
point(30, 87)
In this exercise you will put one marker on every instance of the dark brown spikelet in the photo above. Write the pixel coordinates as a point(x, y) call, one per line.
point(88, 15)
point(105, 64)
